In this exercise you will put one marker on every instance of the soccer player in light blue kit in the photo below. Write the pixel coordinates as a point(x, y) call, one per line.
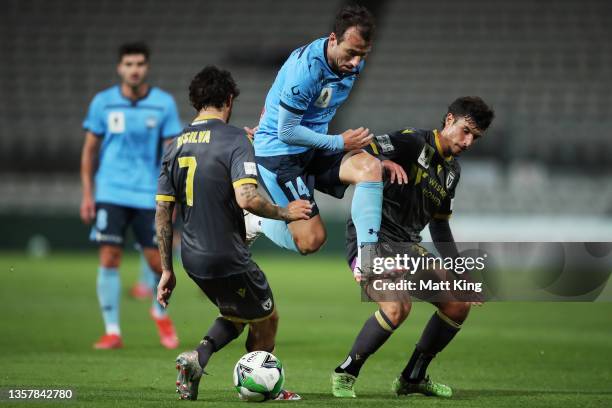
point(126, 127)
point(294, 153)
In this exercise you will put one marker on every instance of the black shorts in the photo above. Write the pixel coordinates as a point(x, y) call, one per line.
point(295, 176)
point(245, 297)
point(112, 221)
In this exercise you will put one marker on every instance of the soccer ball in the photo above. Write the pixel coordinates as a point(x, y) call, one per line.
point(258, 376)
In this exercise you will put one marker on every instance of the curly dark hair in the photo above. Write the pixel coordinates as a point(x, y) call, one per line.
point(134, 48)
point(354, 16)
point(212, 87)
point(472, 108)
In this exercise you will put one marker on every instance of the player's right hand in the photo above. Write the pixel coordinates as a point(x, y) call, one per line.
point(88, 209)
point(167, 283)
point(298, 210)
point(356, 139)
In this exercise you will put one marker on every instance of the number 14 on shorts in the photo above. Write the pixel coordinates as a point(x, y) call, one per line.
point(301, 191)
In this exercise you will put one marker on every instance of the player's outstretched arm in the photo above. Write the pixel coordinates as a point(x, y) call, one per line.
point(163, 227)
point(249, 199)
point(89, 163)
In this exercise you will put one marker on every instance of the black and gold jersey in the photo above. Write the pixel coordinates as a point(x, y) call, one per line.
point(433, 178)
point(200, 171)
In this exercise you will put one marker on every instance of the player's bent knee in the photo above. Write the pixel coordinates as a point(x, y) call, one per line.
point(370, 168)
point(456, 311)
point(309, 243)
point(396, 312)
point(110, 256)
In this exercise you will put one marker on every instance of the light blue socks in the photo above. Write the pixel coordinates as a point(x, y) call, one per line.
point(366, 210)
point(109, 288)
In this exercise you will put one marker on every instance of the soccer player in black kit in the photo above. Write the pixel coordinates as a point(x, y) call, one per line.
point(210, 172)
point(428, 157)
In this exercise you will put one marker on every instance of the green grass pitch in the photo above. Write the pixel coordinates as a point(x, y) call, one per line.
point(507, 355)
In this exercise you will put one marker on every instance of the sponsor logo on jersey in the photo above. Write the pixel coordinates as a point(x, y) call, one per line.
point(241, 292)
point(324, 98)
point(116, 122)
point(384, 141)
point(151, 122)
point(250, 168)
point(450, 178)
point(425, 156)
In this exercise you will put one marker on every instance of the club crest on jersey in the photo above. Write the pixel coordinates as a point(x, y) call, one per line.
point(151, 122)
point(116, 122)
point(426, 155)
point(450, 178)
point(324, 98)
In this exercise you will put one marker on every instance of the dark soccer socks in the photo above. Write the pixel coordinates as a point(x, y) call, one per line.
point(374, 333)
point(439, 331)
point(220, 334)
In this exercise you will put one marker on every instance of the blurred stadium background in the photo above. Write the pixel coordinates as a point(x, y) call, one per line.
point(541, 173)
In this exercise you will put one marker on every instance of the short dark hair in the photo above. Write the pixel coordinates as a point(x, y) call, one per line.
point(134, 48)
point(354, 16)
point(212, 87)
point(474, 109)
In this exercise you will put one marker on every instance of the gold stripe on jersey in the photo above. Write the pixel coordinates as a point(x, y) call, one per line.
point(407, 131)
point(163, 197)
point(439, 216)
point(439, 146)
point(374, 148)
point(202, 118)
point(243, 181)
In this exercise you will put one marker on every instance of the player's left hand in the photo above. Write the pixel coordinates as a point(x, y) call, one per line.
point(396, 172)
point(166, 285)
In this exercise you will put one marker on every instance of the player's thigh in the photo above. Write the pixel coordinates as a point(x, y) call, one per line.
point(325, 167)
point(454, 310)
point(396, 311)
point(285, 179)
point(244, 298)
point(359, 166)
point(143, 226)
point(108, 231)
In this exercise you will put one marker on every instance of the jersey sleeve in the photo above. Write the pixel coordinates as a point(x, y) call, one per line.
point(299, 88)
point(166, 190)
point(172, 123)
point(446, 209)
point(242, 163)
point(403, 145)
point(95, 121)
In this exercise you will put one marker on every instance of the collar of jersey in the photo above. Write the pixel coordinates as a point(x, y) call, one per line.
point(133, 102)
point(202, 118)
point(439, 146)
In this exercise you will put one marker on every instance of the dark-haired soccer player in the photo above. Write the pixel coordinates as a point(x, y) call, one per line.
point(429, 157)
point(126, 126)
point(210, 172)
point(294, 153)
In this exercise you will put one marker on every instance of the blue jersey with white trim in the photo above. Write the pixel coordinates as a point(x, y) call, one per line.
point(132, 135)
point(305, 85)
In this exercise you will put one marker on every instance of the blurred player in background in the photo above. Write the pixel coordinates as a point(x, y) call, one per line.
point(210, 172)
point(126, 126)
point(294, 153)
point(425, 197)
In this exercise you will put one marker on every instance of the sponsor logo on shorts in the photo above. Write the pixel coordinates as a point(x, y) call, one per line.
point(267, 304)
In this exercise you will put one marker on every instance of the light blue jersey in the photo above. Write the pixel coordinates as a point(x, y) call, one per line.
point(132, 135)
point(305, 85)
